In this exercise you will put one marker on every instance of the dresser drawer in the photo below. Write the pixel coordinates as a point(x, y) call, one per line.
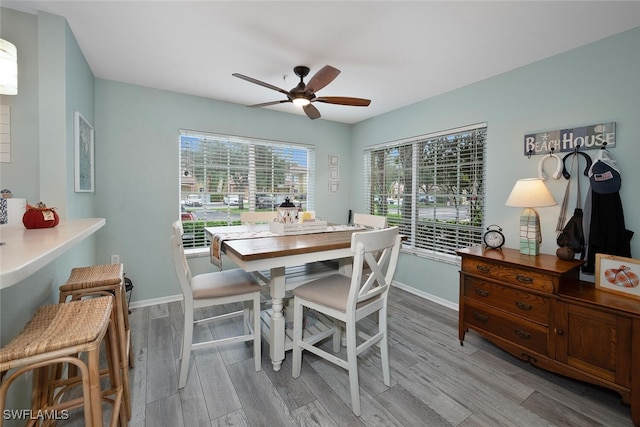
point(514, 329)
point(530, 306)
point(514, 275)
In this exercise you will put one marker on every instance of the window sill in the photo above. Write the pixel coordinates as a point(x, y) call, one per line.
point(433, 256)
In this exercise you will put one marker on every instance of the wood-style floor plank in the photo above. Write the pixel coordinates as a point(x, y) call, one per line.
point(434, 380)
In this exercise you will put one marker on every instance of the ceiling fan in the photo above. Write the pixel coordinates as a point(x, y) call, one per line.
point(304, 94)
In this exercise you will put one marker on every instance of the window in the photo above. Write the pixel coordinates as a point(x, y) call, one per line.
point(432, 187)
point(221, 176)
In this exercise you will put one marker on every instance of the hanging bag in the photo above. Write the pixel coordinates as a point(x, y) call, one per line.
point(571, 235)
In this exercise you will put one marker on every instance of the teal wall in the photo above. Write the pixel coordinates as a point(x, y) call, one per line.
point(597, 83)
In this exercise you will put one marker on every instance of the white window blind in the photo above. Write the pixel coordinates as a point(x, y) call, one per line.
point(222, 176)
point(431, 186)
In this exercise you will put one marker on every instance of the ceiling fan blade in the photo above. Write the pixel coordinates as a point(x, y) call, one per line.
point(311, 111)
point(266, 104)
point(261, 83)
point(344, 100)
point(322, 78)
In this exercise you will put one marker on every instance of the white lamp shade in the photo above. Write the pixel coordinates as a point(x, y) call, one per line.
point(8, 68)
point(530, 193)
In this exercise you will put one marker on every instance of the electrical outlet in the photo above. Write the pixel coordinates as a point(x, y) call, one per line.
point(115, 259)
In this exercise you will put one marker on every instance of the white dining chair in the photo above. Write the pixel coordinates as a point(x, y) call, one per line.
point(375, 222)
point(257, 217)
point(214, 289)
point(348, 300)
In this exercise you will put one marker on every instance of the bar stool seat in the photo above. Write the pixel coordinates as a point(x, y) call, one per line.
point(57, 334)
point(106, 279)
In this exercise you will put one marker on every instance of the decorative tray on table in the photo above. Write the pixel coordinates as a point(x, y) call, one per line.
point(297, 227)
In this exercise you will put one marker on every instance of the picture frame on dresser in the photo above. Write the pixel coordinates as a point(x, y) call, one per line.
point(618, 274)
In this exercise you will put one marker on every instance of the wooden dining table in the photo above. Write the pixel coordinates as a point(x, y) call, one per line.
point(271, 252)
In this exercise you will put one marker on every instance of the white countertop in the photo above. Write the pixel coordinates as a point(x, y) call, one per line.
point(26, 251)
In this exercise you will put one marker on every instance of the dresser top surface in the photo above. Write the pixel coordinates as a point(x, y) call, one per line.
point(544, 262)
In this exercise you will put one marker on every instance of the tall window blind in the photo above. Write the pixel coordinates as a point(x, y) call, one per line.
point(431, 186)
point(222, 176)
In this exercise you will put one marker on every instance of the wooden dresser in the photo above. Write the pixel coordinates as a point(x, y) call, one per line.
point(536, 308)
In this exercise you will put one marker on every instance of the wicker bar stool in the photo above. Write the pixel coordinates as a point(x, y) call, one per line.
point(106, 279)
point(55, 335)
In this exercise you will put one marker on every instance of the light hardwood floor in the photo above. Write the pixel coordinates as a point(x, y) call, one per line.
point(434, 381)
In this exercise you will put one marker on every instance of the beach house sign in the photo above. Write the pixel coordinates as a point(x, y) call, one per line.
point(585, 138)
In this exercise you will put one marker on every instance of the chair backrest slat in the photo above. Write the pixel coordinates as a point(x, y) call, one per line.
point(378, 250)
point(183, 272)
point(370, 221)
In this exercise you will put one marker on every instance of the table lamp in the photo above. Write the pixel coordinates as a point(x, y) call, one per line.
point(530, 193)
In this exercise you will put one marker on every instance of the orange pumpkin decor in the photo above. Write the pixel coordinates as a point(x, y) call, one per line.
point(622, 277)
point(40, 216)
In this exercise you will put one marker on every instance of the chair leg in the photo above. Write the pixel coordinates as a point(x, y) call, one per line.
point(95, 393)
point(117, 381)
point(185, 352)
point(337, 335)
point(297, 337)
point(384, 346)
point(246, 320)
point(257, 336)
point(352, 363)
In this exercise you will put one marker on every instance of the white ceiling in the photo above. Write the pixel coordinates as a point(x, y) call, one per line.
point(394, 53)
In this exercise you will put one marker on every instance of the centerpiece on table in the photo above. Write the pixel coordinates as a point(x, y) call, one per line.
point(291, 221)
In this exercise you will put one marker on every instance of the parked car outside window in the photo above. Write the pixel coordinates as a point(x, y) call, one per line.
point(187, 216)
point(231, 200)
point(193, 200)
point(423, 198)
point(264, 201)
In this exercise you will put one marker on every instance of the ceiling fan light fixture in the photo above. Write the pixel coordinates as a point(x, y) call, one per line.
point(304, 94)
point(301, 101)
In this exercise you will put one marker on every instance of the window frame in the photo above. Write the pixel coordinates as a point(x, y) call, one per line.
point(225, 167)
point(411, 187)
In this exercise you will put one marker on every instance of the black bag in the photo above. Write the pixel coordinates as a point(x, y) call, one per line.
point(572, 234)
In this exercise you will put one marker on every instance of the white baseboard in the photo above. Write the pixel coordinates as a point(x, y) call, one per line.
point(411, 290)
point(154, 301)
point(428, 296)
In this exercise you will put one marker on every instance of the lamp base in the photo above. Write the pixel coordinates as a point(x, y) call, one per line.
point(530, 236)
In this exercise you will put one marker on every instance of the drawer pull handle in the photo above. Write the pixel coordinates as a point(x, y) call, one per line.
point(482, 292)
point(523, 334)
point(481, 317)
point(482, 268)
point(524, 279)
point(523, 306)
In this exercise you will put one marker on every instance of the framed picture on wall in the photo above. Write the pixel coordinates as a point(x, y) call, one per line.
point(334, 188)
point(618, 274)
point(84, 154)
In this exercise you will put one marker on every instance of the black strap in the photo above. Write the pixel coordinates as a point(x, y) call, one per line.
point(566, 173)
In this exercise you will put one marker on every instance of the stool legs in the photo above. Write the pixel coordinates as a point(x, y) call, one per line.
point(45, 398)
point(121, 322)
